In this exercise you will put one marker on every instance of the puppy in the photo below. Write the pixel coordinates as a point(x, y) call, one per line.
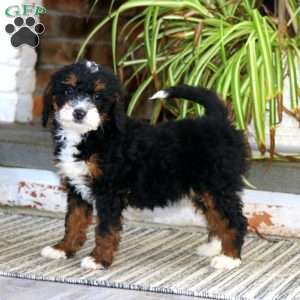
point(110, 161)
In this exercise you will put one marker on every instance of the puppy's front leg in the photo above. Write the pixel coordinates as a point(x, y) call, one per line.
point(107, 238)
point(78, 218)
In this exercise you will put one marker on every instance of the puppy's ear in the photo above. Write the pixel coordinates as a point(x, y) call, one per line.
point(119, 113)
point(47, 104)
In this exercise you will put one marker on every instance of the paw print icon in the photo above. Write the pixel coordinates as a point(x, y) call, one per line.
point(25, 32)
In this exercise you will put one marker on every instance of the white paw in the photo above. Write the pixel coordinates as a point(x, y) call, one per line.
point(212, 248)
point(89, 263)
point(225, 262)
point(53, 253)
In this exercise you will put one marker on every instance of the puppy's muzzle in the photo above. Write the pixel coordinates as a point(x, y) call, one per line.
point(79, 114)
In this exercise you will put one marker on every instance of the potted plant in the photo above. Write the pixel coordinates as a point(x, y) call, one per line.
point(241, 49)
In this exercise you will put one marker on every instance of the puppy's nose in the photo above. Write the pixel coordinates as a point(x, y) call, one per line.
point(79, 114)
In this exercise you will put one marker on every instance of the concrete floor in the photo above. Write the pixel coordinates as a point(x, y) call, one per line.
point(22, 289)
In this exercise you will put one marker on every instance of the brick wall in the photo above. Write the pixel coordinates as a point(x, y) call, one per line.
point(67, 24)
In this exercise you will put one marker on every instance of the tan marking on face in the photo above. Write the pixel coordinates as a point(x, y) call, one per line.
point(94, 167)
point(99, 86)
point(78, 219)
point(106, 245)
point(71, 80)
point(218, 225)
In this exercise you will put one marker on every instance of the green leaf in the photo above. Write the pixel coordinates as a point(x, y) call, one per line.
point(93, 32)
point(292, 79)
point(237, 53)
point(236, 92)
point(264, 44)
point(255, 88)
point(141, 89)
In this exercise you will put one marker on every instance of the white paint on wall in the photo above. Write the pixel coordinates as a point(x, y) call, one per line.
point(17, 74)
point(272, 213)
point(8, 105)
point(31, 188)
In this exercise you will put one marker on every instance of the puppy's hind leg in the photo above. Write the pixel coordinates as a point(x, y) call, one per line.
point(78, 218)
point(227, 226)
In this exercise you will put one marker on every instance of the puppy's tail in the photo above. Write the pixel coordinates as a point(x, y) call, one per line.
point(209, 99)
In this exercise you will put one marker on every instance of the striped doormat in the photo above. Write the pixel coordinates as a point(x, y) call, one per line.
point(153, 258)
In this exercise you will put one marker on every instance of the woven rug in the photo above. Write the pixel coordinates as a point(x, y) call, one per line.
point(153, 258)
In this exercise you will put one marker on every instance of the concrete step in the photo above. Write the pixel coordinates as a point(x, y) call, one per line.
point(30, 146)
point(26, 146)
point(282, 177)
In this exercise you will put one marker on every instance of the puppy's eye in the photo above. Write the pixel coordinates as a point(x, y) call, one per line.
point(69, 91)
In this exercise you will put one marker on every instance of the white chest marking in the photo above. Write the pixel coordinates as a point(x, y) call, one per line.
point(76, 171)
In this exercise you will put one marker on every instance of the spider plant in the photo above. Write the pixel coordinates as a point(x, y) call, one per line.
point(237, 48)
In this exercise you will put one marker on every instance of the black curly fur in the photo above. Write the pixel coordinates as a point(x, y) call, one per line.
point(146, 166)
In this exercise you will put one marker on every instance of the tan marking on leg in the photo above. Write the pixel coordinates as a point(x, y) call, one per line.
point(218, 225)
point(78, 220)
point(106, 245)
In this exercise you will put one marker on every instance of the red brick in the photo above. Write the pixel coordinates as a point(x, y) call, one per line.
point(75, 6)
point(80, 27)
point(99, 53)
point(57, 52)
point(49, 22)
point(42, 78)
point(83, 7)
point(61, 52)
point(72, 26)
point(102, 8)
point(104, 35)
point(37, 106)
